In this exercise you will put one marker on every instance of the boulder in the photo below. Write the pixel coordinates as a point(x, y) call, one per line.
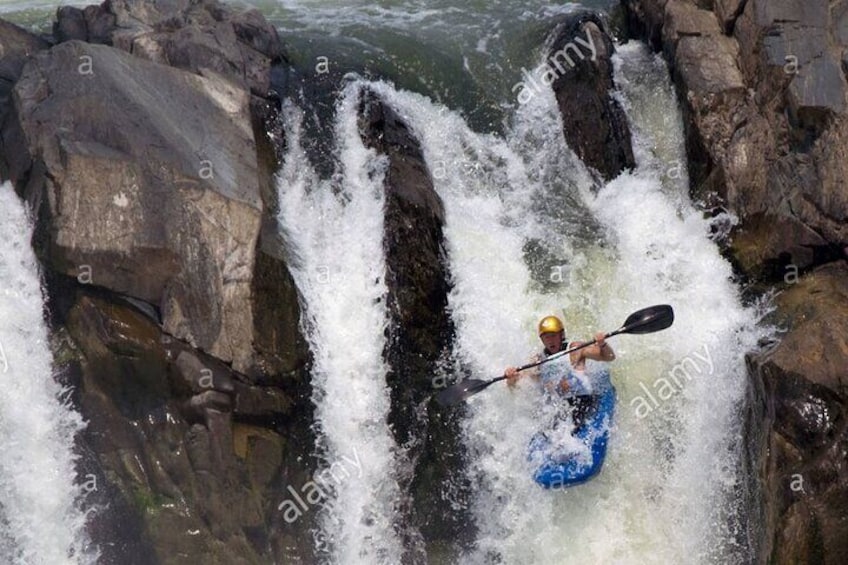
point(138, 431)
point(137, 198)
point(70, 24)
point(594, 123)
point(804, 388)
point(161, 460)
point(420, 329)
point(201, 37)
point(16, 46)
point(211, 39)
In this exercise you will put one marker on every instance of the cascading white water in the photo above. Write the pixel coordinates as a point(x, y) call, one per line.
point(40, 520)
point(526, 236)
point(666, 493)
point(335, 231)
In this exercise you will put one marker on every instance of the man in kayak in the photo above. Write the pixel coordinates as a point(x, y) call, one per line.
point(566, 376)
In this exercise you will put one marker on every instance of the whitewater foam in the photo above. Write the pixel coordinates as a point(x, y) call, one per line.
point(41, 521)
point(334, 230)
point(633, 242)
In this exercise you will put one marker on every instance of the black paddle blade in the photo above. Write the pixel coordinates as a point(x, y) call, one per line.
point(455, 394)
point(649, 320)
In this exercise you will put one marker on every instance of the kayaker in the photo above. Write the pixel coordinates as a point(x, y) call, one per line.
point(566, 376)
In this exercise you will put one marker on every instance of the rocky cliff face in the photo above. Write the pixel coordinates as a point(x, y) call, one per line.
point(134, 139)
point(763, 88)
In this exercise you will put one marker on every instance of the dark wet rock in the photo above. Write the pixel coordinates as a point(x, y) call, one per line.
point(804, 450)
point(420, 329)
point(168, 465)
point(16, 47)
point(201, 377)
point(196, 374)
point(594, 123)
point(70, 24)
point(281, 350)
point(142, 439)
point(262, 450)
point(205, 406)
point(261, 404)
point(416, 272)
point(645, 20)
point(92, 24)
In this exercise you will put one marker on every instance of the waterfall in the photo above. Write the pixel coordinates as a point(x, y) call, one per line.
point(528, 235)
point(334, 228)
point(40, 519)
point(529, 232)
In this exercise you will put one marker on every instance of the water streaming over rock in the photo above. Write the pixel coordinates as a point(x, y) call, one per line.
point(334, 228)
point(40, 520)
point(528, 233)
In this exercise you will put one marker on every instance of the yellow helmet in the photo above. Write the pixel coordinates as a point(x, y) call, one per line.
point(550, 324)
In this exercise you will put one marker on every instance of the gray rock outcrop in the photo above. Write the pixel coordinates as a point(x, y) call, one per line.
point(149, 177)
point(199, 37)
point(176, 312)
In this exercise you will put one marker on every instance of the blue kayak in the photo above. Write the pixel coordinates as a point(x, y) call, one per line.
point(564, 466)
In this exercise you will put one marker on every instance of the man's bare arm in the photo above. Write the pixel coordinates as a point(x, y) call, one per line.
point(601, 351)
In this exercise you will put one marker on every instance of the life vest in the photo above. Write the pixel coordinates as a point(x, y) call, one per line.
point(551, 373)
point(581, 398)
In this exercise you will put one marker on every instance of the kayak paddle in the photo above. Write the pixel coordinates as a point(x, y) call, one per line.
point(645, 321)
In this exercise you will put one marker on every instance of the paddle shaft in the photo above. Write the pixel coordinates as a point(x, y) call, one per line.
point(620, 330)
point(646, 320)
point(552, 357)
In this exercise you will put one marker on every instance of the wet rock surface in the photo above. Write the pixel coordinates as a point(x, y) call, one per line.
point(421, 330)
point(594, 122)
point(804, 463)
point(178, 471)
point(154, 211)
point(16, 47)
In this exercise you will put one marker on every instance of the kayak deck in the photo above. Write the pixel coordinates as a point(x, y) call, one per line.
point(560, 468)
